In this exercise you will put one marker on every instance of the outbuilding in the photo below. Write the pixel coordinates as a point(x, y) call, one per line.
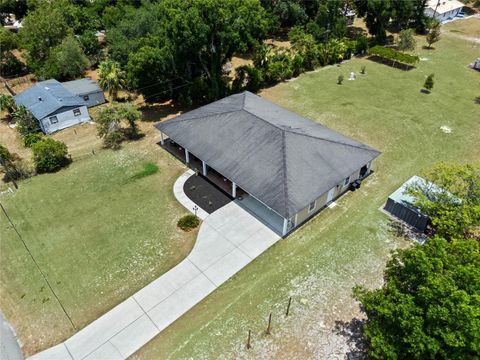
point(400, 204)
point(444, 10)
point(279, 165)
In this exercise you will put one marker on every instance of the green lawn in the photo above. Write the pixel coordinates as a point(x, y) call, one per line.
point(100, 230)
point(349, 244)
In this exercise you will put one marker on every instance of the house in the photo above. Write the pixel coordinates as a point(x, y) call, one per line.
point(443, 10)
point(400, 204)
point(87, 89)
point(57, 106)
point(279, 165)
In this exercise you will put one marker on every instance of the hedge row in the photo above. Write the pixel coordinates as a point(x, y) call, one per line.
point(391, 54)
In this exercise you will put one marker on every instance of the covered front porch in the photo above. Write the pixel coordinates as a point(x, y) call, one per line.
point(201, 167)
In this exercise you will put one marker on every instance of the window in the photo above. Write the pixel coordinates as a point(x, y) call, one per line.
point(53, 120)
point(86, 97)
point(311, 206)
point(76, 112)
point(346, 181)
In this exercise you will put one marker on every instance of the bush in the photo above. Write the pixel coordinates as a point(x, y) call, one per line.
point(429, 82)
point(49, 155)
point(340, 79)
point(188, 222)
point(30, 139)
point(247, 78)
point(391, 54)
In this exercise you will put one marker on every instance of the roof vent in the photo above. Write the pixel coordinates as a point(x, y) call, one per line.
point(40, 99)
point(47, 88)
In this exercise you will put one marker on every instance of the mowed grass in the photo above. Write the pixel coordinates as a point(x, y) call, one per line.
point(100, 230)
point(320, 263)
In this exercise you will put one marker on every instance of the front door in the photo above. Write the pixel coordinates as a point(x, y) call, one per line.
point(330, 194)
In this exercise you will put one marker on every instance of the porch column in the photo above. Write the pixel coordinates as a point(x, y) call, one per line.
point(285, 227)
point(234, 190)
point(161, 138)
point(187, 156)
point(204, 168)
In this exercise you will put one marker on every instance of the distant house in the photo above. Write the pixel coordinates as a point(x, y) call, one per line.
point(57, 105)
point(277, 164)
point(443, 10)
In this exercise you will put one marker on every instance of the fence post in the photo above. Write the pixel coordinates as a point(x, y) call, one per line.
point(249, 346)
point(288, 306)
point(269, 327)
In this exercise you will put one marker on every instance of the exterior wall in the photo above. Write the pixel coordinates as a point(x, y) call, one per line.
point(94, 99)
point(445, 16)
point(321, 201)
point(65, 119)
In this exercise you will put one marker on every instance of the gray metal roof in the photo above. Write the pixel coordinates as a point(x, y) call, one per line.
point(46, 97)
point(82, 86)
point(279, 157)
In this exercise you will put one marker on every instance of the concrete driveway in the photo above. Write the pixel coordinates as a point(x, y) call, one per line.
point(228, 240)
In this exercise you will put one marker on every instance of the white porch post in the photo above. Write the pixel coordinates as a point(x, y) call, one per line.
point(204, 168)
point(285, 227)
point(234, 190)
point(161, 138)
point(187, 156)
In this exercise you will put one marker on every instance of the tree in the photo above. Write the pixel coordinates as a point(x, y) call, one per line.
point(8, 166)
point(91, 46)
point(428, 307)
point(453, 203)
point(429, 82)
point(66, 61)
point(406, 41)
point(43, 28)
point(109, 124)
point(433, 33)
point(49, 155)
point(377, 14)
point(24, 120)
point(331, 20)
point(193, 40)
point(9, 64)
point(7, 103)
point(111, 78)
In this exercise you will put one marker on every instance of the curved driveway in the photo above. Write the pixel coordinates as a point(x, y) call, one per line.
point(228, 239)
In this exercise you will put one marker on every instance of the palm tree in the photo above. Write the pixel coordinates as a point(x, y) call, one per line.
point(111, 78)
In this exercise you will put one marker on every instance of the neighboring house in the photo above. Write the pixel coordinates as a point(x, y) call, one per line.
point(87, 89)
point(400, 204)
point(56, 106)
point(443, 10)
point(285, 167)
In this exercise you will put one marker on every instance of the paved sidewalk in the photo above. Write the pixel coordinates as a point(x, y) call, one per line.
point(228, 240)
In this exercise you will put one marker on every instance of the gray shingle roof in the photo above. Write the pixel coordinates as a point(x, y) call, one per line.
point(46, 97)
point(279, 157)
point(82, 86)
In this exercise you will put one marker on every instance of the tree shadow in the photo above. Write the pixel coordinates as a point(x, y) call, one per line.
point(157, 111)
point(353, 332)
point(355, 31)
point(426, 47)
point(425, 91)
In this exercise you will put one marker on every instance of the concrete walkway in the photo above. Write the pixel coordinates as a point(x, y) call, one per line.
point(9, 347)
point(228, 240)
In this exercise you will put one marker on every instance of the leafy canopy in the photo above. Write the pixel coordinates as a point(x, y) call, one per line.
point(429, 307)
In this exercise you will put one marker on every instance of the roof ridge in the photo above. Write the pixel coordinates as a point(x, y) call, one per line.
point(285, 172)
point(364, 147)
point(176, 119)
point(266, 121)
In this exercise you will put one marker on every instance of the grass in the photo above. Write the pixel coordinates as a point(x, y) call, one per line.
point(149, 168)
point(97, 236)
point(347, 245)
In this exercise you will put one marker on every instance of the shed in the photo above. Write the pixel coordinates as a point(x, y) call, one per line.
point(401, 205)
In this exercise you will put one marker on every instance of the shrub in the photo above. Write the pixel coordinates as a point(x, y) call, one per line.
point(30, 139)
point(362, 71)
point(391, 54)
point(188, 222)
point(49, 155)
point(113, 139)
point(340, 79)
point(361, 45)
point(429, 82)
point(406, 41)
